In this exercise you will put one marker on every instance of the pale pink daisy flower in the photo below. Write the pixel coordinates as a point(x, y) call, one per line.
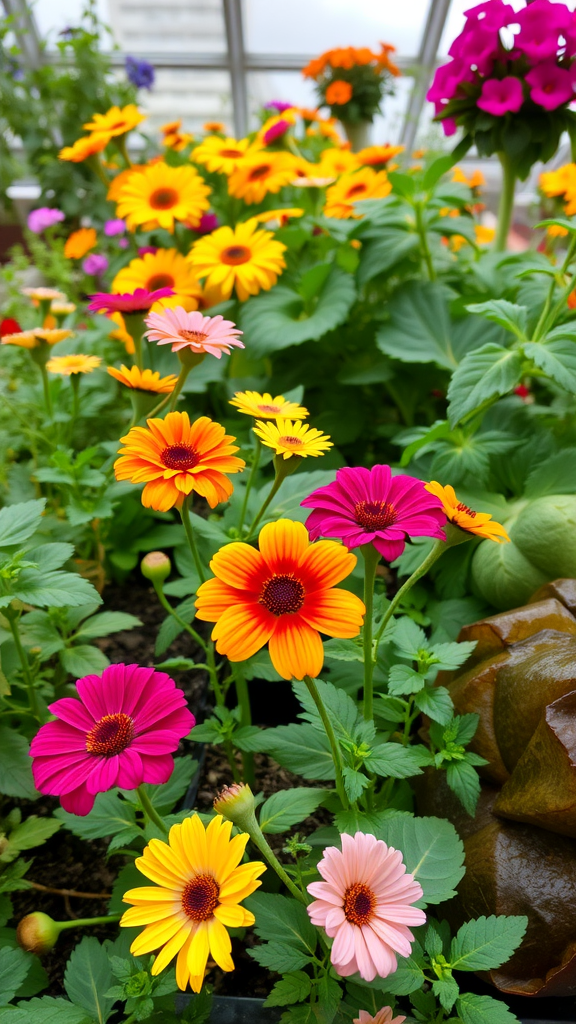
point(364, 904)
point(176, 327)
point(384, 1016)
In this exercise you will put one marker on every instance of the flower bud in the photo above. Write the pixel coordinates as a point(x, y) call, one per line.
point(236, 802)
point(37, 933)
point(156, 566)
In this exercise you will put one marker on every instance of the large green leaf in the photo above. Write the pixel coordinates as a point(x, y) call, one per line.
point(473, 1009)
point(288, 807)
point(482, 375)
point(14, 965)
point(88, 977)
point(507, 314)
point(301, 748)
point(56, 589)
point(419, 328)
point(19, 522)
point(46, 1010)
point(109, 815)
point(83, 659)
point(381, 254)
point(282, 919)
point(432, 852)
point(278, 319)
point(106, 623)
point(286, 503)
point(486, 942)
point(15, 765)
point(557, 359)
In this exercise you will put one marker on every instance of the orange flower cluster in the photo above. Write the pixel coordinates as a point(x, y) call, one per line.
point(349, 57)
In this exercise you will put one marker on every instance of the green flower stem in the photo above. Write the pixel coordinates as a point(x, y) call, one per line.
point(135, 326)
point(150, 811)
point(282, 468)
point(46, 387)
point(12, 615)
point(371, 559)
point(75, 383)
point(187, 524)
point(243, 698)
point(85, 922)
point(158, 408)
point(255, 522)
point(545, 320)
point(257, 837)
point(172, 611)
point(336, 753)
point(439, 547)
point(184, 371)
point(94, 163)
point(120, 141)
point(251, 478)
point(425, 248)
point(506, 202)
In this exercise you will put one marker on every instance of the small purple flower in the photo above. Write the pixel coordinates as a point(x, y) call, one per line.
point(140, 73)
point(123, 243)
point(208, 222)
point(501, 96)
point(44, 217)
point(95, 264)
point(114, 227)
point(276, 131)
point(278, 105)
point(550, 86)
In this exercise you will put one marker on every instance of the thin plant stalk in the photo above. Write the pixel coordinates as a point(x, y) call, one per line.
point(150, 811)
point(243, 698)
point(255, 522)
point(86, 922)
point(371, 559)
point(506, 205)
point(259, 840)
point(336, 753)
point(184, 371)
point(439, 547)
point(46, 389)
point(13, 616)
point(249, 483)
point(187, 524)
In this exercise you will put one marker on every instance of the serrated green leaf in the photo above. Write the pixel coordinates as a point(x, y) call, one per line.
point(259, 666)
point(288, 807)
point(354, 783)
point(50, 556)
point(300, 748)
point(33, 832)
point(109, 815)
point(106, 623)
point(484, 374)
point(436, 702)
point(82, 660)
point(392, 760)
point(15, 765)
point(166, 796)
point(343, 650)
point(486, 943)
point(409, 975)
point(419, 329)
point(278, 956)
point(341, 709)
point(14, 966)
point(293, 988)
point(453, 655)
point(465, 783)
point(88, 976)
point(404, 680)
point(46, 1010)
point(170, 628)
point(56, 589)
point(507, 314)
point(19, 522)
point(432, 852)
point(408, 637)
point(473, 1009)
point(379, 255)
point(282, 919)
point(556, 358)
point(447, 991)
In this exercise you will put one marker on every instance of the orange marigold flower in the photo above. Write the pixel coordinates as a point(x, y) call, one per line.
point(362, 184)
point(170, 127)
point(174, 457)
point(571, 301)
point(80, 150)
point(285, 595)
point(79, 243)
point(478, 523)
point(338, 92)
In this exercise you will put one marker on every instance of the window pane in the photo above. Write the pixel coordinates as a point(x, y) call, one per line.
point(169, 26)
point(195, 96)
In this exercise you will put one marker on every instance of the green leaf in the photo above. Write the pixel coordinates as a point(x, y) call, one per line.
point(465, 783)
point(453, 655)
point(106, 623)
point(259, 666)
point(484, 374)
point(15, 765)
point(343, 650)
point(473, 1009)
point(355, 820)
point(354, 783)
point(342, 710)
point(33, 832)
point(486, 943)
point(443, 164)
point(287, 807)
point(50, 556)
point(436, 702)
point(278, 319)
point(293, 988)
point(432, 852)
point(556, 358)
point(83, 660)
point(300, 748)
point(46, 1010)
point(403, 680)
point(379, 255)
point(313, 280)
point(409, 975)
point(447, 991)
point(409, 638)
point(419, 328)
point(19, 522)
point(109, 815)
point(557, 475)
point(392, 760)
point(14, 966)
point(279, 957)
point(55, 589)
point(170, 628)
point(507, 314)
point(286, 503)
point(87, 977)
point(166, 796)
point(282, 919)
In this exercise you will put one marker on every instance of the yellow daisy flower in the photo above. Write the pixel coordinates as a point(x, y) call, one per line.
point(115, 121)
point(67, 365)
point(52, 335)
point(23, 339)
point(62, 308)
point(292, 437)
point(165, 268)
point(199, 885)
point(334, 162)
point(259, 174)
point(164, 195)
point(279, 218)
point(43, 294)
point(252, 403)
point(245, 258)
point(480, 524)
point(143, 380)
point(362, 184)
point(214, 126)
point(120, 180)
point(79, 243)
point(220, 155)
point(80, 150)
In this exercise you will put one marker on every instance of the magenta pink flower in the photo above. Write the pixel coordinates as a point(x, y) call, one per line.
point(370, 506)
point(278, 129)
point(121, 732)
point(364, 904)
point(491, 14)
point(180, 329)
point(501, 96)
point(477, 46)
point(550, 86)
point(447, 81)
point(138, 301)
point(541, 23)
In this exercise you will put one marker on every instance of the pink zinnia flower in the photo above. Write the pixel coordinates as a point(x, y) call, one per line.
point(121, 732)
point(551, 86)
point(364, 904)
point(114, 227)
point(42, 218)
point(370, 506)
point(180, 329)
point(384, 1016)
point(278, 129)
point(138, 301)
point(95, 264)
point(500, 96)
point(541, 23)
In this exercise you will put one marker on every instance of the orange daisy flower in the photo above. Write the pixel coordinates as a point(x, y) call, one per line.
point(257, 175)
point(338, 92)
point(115, 121)
point(79, 243)
point(363, 184)
point(83, 148)
point(284, 595)
point(377, 156)
point(174, 457)
point(144, 380)
point(478, 523)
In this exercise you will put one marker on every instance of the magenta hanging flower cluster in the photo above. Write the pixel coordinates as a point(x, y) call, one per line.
point(511, 80)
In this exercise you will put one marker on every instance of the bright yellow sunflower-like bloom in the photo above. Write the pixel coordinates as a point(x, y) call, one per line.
point(264, 407)
point(162, 195)
point(79, 243)
point(334, 162)
point(174, 457)
point(362, 184)
point(478, 523)
point(245, 258)
point(83, 148)
point(259, 174)
point(120, 180)
point(115, 121)
point(165, 268)
point(285, 595)
point(143, 380)
point(292, 437)
point(199, 884)
point(220, 155)
point(22, 339)
point(378, 156)
point(67, 365)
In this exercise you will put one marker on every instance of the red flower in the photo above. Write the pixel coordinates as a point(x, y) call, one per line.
point(9, 326)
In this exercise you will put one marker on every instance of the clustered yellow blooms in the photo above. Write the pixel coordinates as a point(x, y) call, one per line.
point(561, 183)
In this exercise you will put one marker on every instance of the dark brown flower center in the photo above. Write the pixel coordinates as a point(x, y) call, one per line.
point(355, 190)
point(359, 903)
point(461, 507)
point(282, 594)
point(375, 515)
point(111, 735)
point(235, 254)
point(290, 439)
point(196, 336)
point(270, 408)
point(116, 125)
point(163, 198)
point(200, 897)
point(160, 281)
point(233, 153)
point(259, 172)
point(180, 456)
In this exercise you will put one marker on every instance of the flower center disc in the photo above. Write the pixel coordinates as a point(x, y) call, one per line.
point(200, 897)
point(160, 281)
point(117, 125)
point(290, 441)
point(197, 337)
point(163, 198)
point(235, 254)
point(461, 507)
point(375, 515)
point(355, 190)
point(282, 594)
point(275, 409)
point(180, 456)
point(359, 902)
point(232, 153)
point(259, 172)
point(111, 735)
